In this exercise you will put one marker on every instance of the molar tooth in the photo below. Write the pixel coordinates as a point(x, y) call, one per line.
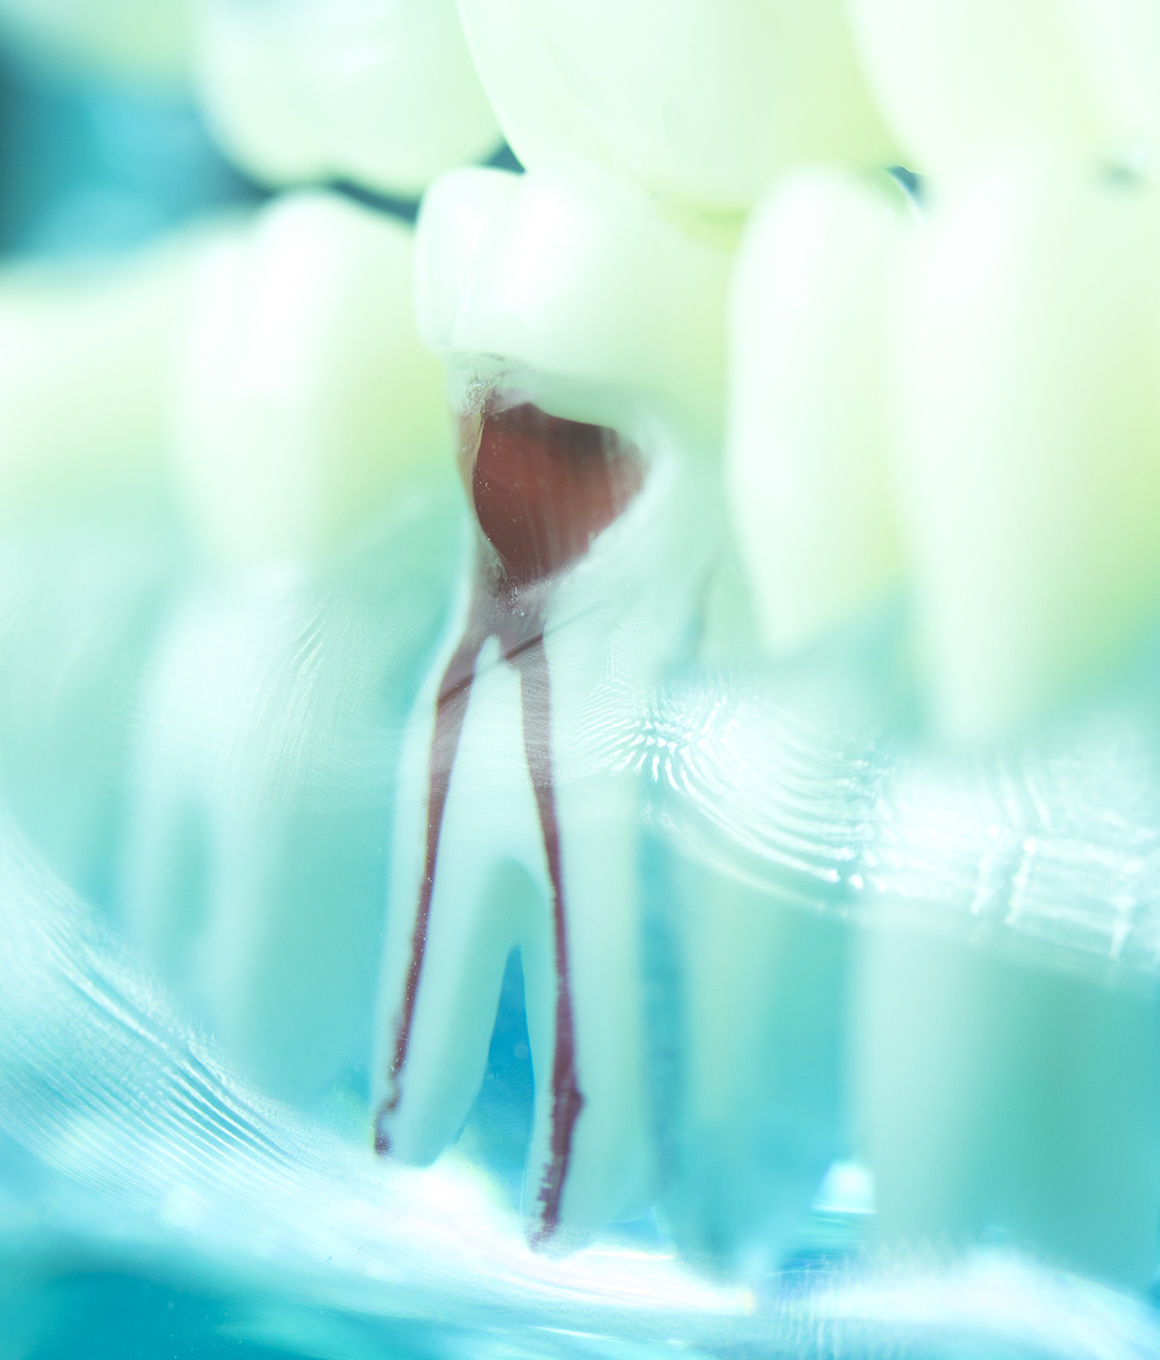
point(576, 273)
point(959, 79)
point(378, 91)
point(512, 832)
point(809, 465)
point(304, 397)
point(702, 102)
point(1029, 429)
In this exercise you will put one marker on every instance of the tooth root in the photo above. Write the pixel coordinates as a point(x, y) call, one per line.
point(577, 274)
point(1029, 433)
point(377, 91)
point(304, 398)
point(500, 772)
point(960, 79)
point(704, 104)
point(808, 448)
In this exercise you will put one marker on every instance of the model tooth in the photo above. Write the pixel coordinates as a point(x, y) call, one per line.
point(703, 104)
point(86, 364)
point(510, 832)
point(576, 273)
point(304, 397)
point(1118, 42)
point(1030, 425)
point(375, 91)
point(960, 79)
point(809, 447)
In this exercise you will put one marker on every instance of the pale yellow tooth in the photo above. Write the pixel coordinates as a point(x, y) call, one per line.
point(703, 101)
point(305, 398)
point(958, 79)
point(250, 87)
point(1118, 42)
point(808, 444)
point(86, 359)
point(142, 39)
point(576, 273)
point(381, 92)
point(1030, 435)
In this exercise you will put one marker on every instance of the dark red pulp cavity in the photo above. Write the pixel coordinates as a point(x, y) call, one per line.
point(542, 488)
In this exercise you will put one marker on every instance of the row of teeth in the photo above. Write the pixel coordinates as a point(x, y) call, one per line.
point(962, 396)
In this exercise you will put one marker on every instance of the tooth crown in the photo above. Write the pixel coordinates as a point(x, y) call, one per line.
point(1028, 426)
point(703, 101)
point(304, 397)
point(808, 448)
point(575, 273)
point(381, 92)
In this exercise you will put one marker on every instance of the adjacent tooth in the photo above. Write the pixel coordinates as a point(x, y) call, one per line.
point(576, 273)
point(808, 447)
point(381, 92)
point(86, 361)
point(1118, 42)
point(703, 103)
point(510, 831)
point(1029, 431)
point(147, 39)
point(962, 78)
point(304, 399)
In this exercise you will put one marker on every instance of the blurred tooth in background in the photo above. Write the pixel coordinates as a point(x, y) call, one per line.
point(304, 398)
point(86, 361)
point(575, 272)
point(958, 80)
point(380, 92)
point(809, 459)
point(125, 39)
point(1029, 435)
point(704, 101)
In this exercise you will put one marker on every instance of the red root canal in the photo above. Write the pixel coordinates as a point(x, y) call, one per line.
point(542, 489)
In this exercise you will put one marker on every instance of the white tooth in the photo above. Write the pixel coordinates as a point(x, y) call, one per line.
point(808, 445)
point(1030, 425)
point(1118, 42)
point(703, 101)
point(958, 79)
point(381, 92)
point(499, 772)
point(575, 272)
point(136, 38)
point(86, 363)
point(305, 398)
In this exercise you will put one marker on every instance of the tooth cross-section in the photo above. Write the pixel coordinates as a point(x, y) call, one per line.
point(511, 830)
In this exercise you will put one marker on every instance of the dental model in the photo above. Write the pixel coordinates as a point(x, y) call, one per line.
point(378, 92)
point(511, 830)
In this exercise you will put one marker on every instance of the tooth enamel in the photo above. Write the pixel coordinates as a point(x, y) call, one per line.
point(964, 77)
point(1029, 426)
point(381, 92)
point(86, 360)
point(1119, 45)
point(304, 398)
point(702, 102)
point(128, 38)
point(575, 273)
point(808, 446)
point(509, 832)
